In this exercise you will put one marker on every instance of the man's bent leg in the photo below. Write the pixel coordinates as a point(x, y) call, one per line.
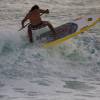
point(46, 23)
point(30, 34)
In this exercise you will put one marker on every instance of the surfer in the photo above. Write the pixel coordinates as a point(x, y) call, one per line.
point(34, 16)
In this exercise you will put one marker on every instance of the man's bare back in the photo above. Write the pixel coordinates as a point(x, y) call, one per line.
point(34, 16)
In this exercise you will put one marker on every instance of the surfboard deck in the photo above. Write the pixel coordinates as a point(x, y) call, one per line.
point(66, 31)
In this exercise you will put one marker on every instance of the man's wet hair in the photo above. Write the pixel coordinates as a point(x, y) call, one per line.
point(34, 7)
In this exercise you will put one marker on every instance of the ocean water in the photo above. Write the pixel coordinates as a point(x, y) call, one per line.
point(70, 71)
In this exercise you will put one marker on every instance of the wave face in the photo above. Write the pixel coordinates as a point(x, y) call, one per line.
point(68, 71)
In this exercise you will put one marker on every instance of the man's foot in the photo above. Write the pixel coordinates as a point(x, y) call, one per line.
point(54, 35)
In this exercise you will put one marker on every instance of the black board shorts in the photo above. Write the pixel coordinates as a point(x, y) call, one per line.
point(40, 25)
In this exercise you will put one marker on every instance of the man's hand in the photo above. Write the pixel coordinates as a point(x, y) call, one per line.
point(47, 11)
point(24, 26)
point(44, 11)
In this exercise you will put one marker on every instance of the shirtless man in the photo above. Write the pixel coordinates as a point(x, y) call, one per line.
point(34, 16)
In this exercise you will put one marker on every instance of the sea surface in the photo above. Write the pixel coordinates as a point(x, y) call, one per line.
point(69, 71)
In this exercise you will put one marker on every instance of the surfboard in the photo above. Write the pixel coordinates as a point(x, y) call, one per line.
point(65, 31)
